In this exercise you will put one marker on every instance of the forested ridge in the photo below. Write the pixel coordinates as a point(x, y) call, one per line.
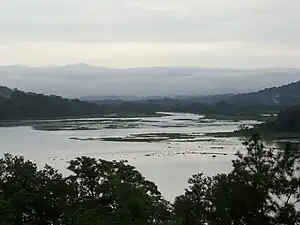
point(286, 96)
point(19, 105)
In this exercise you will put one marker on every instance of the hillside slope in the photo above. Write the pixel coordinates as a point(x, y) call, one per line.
point(287, 95)
point(18, 105)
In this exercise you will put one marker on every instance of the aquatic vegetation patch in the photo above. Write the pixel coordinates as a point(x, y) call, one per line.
point(153, 137)
point(120, 139)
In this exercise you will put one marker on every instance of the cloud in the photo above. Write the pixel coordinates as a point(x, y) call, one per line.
point(140, 54)
point(151, 20)
point(127, 33)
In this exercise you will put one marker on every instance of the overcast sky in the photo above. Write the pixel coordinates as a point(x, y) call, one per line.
point(132, 33)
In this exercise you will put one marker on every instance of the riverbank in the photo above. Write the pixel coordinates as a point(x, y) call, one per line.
point(261, 118)
point(265, 135)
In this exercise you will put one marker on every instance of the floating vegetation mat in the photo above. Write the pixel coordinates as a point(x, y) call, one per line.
point(153, 137)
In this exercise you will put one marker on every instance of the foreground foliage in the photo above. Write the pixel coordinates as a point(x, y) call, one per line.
point(262, 188)
point(97, 192)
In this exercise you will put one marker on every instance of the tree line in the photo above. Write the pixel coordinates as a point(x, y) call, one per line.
point(262, 188)
point(287, 120)
point(18, 105)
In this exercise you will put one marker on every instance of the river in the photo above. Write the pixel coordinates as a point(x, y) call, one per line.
point(166, 150)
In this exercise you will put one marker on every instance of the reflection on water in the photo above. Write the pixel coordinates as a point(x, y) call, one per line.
point(292, 144)
point(185, 148)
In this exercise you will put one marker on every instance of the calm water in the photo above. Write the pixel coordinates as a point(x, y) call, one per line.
point(168, 163)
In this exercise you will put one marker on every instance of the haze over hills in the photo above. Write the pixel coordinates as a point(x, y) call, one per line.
point(85, 80)
point(286, 95)
point(19, 105)
point(15, 104)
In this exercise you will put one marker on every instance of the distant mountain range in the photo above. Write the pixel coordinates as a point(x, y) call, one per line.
point(98, 82)
point(283, 96)
point(18, 105)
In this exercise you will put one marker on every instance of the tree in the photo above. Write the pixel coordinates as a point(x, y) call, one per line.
point(287, 121)
point(98, 192)
point(32, 196)
point(116, 193)
point(263, 188)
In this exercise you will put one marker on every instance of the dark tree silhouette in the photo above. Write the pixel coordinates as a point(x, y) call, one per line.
point(263, 188)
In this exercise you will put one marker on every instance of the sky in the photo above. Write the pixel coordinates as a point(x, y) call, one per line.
point(137, 33)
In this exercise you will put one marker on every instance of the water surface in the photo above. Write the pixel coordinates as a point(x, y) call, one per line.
point(169, 162)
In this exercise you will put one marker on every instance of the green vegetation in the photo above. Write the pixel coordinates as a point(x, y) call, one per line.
point(288, 121)
point(122, 139)
point(166, 135)
point(280, 97)
point(262, 188)
point(97, 192)
point(267, 135)
point(18, 105)
point(135, 114)
point(285, 126)
point(151, 137)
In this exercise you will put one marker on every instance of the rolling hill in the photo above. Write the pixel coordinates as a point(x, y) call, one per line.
point(282, 96)
point(19, 105)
